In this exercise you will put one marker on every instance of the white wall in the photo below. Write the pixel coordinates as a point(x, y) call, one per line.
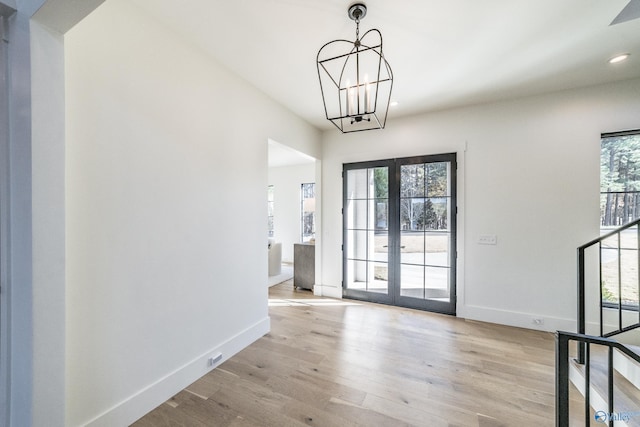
point(32, 218)
point(529, 173)
point(48, 240)
point(165, 187)
point(287, 215)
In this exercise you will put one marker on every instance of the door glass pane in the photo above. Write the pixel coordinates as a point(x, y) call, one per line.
point(366, 234)
point(412, 180)
point(356, 184)
point(381, 214)
point(356, 272)
point(438, 179)
point(436, 213)
point(357, 214)
point(437, 249)
point(412, 284)
point(381, 246)
point(357, 247)
point(381, 182)
point(437, 283)
point(412, 248)
point(412, 213)
point(380, 277)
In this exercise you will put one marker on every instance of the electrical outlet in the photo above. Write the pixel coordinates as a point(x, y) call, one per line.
point(215, 359)
point(538, 321)
point(488, 239)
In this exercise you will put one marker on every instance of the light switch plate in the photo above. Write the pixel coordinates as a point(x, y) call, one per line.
point(488, 239)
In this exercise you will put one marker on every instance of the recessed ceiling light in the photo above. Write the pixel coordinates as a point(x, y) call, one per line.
point(618, 58)
point(393, 104)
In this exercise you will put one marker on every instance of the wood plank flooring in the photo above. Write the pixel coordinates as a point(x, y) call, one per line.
point(346, 363)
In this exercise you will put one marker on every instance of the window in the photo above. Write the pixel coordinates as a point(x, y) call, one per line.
point(619, 205)
point(270, 210)
point(308, 209)
point(619, 178)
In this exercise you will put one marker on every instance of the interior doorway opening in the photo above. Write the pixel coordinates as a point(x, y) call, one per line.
point(294, 207)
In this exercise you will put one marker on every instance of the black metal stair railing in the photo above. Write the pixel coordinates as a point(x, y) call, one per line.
point(620, 306)
point(623, 309)
point(562, 377)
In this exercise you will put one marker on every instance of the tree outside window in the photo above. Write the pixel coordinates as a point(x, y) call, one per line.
point(424, 197)
point(619, 179)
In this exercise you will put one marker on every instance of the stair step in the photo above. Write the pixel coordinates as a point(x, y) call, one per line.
point(627, 367)
point(626, 393)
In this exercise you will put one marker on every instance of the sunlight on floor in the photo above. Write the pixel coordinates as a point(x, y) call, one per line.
point(277, 302)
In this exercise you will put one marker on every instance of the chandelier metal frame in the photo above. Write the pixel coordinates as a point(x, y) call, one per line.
point(363, 104)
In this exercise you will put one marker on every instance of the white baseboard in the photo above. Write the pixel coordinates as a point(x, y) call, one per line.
point(150, 397)
point(517, 319)
point(485, 314)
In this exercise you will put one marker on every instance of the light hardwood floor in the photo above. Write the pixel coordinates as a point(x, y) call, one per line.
point(346, 363)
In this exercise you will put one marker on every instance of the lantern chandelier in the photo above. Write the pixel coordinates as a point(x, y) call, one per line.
point(355, 79)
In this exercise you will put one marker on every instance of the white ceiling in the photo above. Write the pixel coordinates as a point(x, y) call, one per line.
point(283, 155)
point(443, 53)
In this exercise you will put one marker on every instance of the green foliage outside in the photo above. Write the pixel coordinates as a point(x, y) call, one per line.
point(423, 196)
point(607, 295)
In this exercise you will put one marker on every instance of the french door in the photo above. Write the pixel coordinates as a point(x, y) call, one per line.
point(399, 232)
